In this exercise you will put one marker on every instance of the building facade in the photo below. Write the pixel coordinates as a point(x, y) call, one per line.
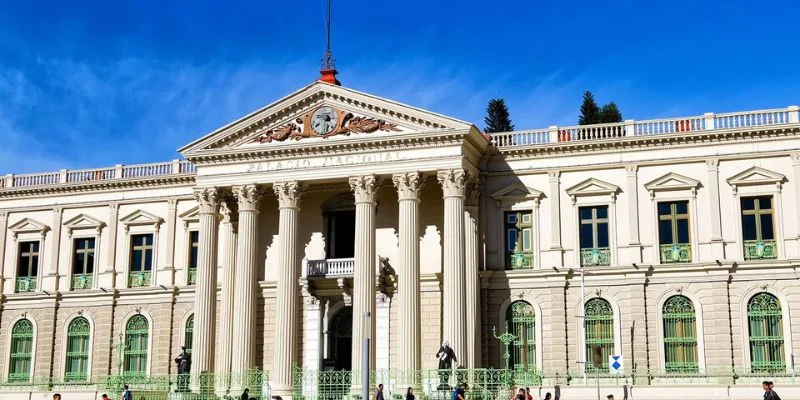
point(281, 241)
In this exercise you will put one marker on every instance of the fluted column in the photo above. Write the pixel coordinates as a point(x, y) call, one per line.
point(408, 188)
point(289, 195)
point(364, 189)
point(248, 199)
point(228, 234)
point(455, 310)
point(473, 355)
point(205, 297)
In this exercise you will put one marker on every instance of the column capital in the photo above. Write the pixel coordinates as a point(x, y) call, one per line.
point(3, 214)
point(453, 182)
point(631, 169)
point(554, 176)
point(473, 192)
point(364, 188)
point(408, 185)
point(228, 208)
point(712, 164)
point(795, 159)
point(289, 194)
point(248, 197)
point(208, 200)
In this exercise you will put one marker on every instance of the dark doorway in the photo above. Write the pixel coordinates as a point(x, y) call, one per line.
point(340, 233)
point(340, 339)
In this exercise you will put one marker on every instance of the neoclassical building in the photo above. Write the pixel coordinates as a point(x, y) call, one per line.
point(279, 242)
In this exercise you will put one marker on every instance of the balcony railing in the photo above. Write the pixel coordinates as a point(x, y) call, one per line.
point(631, 128)
point(675, 253)
point(192, 276)
point(81, 281)
point(26, 284)
point(520, 260)
point(175, 167)
point(760, 249)
point(331, 267)
point(596, 257)
point(139, 278)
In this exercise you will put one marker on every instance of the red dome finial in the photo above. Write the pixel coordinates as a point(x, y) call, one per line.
point(328, 69)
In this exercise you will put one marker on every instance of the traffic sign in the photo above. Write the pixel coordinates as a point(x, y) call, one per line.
point(615, 365)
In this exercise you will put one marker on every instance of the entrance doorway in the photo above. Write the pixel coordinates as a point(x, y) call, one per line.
point(341, 233)
point(340, 339)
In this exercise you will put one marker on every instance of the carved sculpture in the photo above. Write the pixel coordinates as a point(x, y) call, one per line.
point(349, 124)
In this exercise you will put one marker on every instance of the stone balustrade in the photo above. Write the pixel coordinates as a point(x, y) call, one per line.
point(331, 267)
point(118, 172)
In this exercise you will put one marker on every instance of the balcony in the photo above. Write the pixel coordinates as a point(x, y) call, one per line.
point(139, 278)
point(330, 267)
point(26, 284)
point(81, 281)
point(760, 250)
point(192, 276)
point(595, 257)
point(675, 253)
point(519, 260)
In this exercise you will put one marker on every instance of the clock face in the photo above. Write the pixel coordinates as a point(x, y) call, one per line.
point(324, 120)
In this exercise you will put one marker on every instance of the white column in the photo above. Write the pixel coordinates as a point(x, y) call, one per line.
point(227, 233)
point(408, 188)
point(473, 359)
point(455, 310)
point(364, 276)
point(205, 295)
point(289, 195)
point(244, 318)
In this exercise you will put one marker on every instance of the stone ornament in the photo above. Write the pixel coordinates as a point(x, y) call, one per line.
point(453, 182)
point(208, 200)
point(408, 185)
point(248, 197)
point(289, 193)
point(345, 123)
point(364, 188)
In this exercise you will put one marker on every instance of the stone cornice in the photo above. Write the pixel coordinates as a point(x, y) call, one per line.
point(99, 186)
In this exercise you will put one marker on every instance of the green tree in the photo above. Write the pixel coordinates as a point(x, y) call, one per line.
point(497, 117)
point(610, 113)
point(590, 111)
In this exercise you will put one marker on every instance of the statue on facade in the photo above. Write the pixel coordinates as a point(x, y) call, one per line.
point(184, 362)
point(446, 357)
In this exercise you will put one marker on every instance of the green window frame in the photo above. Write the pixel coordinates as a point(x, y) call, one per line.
point(598, 323)
point(758, 228)
point(594, 235)
point(188, 333)
point(518, 239)
point(76, 367)
point(83, 260)
point(137, 335)
point(521, 322)
point(28, 266)
point(673, 232)
point(141, 260)
point(21, 358)
point(765, 327)
point(680, 335)
point(194, 245)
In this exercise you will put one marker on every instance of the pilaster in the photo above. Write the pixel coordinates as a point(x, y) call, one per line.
point(3, 230)
point(556, 258)
point(169, 268)
point(796, 173)
point(50, 277)
point(108, 275)
point(717, 240)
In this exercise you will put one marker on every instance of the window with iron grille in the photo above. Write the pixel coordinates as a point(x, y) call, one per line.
point(27, 266)
point(599, 328)
point(765, 323)
point(680, 335)
point(19, 366)
point(594, 236)
point(194, 244)
point(673, 232)
point(137, 332)
point(141, 261)
point(521, 322)
point(758, 229)
point(519, 239)
point(188, 333)
point(83, 256)
point(76, 368)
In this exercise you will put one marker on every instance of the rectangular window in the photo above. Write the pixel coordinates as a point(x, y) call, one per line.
point(194, 243)
point(593, 235)
point(758, 229)
point(82, 263)
point(141, 261)
point(519, 239)
point(673, 232)
point(27, 266)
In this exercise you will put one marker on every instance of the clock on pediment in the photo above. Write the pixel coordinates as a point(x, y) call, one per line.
point(324, 120)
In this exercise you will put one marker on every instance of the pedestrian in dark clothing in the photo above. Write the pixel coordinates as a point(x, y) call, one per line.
point(769, 394)
point(379, 393)
point(520, 394)
point(548, 396)
point(246, 394)
point(410, 394)
point(126, 393)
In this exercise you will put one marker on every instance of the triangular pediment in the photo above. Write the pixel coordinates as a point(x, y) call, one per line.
point(340, 113)
point(672, 181)
point(755, 176)
point(592, 187)
point(191, 215)
point(28, 225)
point(517, 191)
point(140, 217)
point(83, 221)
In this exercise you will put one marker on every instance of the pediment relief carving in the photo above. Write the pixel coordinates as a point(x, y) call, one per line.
point(756, 176)
point(593, 187)
point(28, 225)
point(324, 122)
point(518, 192)
point(672, 182)
point(139, 218)
point(84, 221)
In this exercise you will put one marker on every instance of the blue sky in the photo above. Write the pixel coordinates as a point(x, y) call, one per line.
point(90, 83)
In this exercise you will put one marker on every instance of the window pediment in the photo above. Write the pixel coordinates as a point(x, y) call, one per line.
point(28, 225)
point(671, 182)
point(84, 221)
point(139, 218)
point(593, 187)
point(190, 216)
point(517, 192)
point(756, 176)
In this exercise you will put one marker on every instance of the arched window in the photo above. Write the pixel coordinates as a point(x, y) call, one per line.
point(77, 364)
point(680, 335)
point(599, 327)
point(19, 368)
point(765, 321)
point(521, 321)
point(136, 337)
point(188, 333)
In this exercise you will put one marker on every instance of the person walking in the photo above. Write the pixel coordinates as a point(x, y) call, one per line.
point(548, 396)
point(410, 394)
point(379, 393)
point(104, 397)
point(246, 394)
point(528, 393)
point(126, 393)
point(56, 396)
point(769, 393)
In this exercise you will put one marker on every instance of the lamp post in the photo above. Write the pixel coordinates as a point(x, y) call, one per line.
point(120, 346)
point(506, 338)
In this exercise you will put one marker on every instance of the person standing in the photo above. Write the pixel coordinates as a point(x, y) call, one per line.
point(104, 397)
point(528, 393)
point(548, 396)
point(410, 394)
point(769, 393)
point(56, 396)
point(379, 393)
point(126, 393)
point(246, 394)
point(520, 394)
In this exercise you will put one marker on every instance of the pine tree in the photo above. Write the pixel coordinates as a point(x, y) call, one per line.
point(497, 117)
point(590, 111)
point(610, 113)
